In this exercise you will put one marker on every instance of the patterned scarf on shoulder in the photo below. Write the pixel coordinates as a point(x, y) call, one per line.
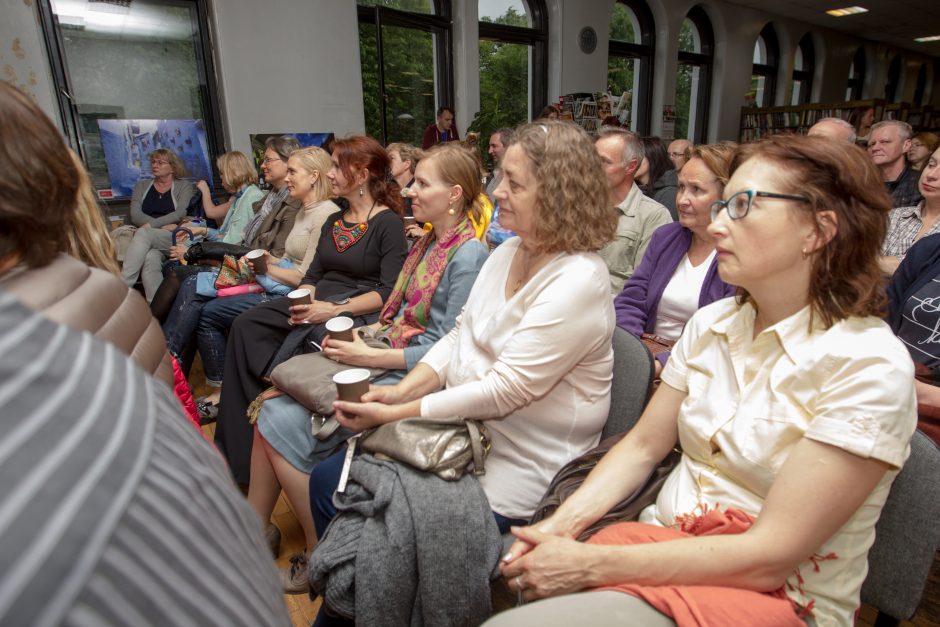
point(418, 281)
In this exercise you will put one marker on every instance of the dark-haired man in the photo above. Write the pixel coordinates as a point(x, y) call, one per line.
point(443, 130)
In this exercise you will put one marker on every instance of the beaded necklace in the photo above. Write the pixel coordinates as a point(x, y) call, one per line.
point(344, 237)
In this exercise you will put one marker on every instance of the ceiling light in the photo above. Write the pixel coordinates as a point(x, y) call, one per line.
point(846, 11)
point(931, 38)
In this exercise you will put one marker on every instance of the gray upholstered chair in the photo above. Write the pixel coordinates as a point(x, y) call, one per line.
point(632, 383)
point(907, 537)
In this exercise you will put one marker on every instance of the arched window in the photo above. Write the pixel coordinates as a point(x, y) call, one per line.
point(803, 65)
point(630, 51)
point(693, 80)
point(764, 73)
point(853, 90)
point(920, 87)
point(894, 78)
point(405, 53)
point(513, 63)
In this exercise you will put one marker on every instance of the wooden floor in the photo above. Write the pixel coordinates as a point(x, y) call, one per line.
point(303, 611)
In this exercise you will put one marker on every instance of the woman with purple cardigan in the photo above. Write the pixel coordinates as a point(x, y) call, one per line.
point(679, 272)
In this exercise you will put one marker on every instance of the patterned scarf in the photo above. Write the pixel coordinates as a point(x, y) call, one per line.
point(418, 281)
point(274, 199)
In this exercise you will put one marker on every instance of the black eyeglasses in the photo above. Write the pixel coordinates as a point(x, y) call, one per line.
point(740, 203)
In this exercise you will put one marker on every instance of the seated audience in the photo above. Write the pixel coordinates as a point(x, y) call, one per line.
point(241, 181)
point(890, 141)
point(359, 253)
point(404, 159)
point(679, 153)
point(906, 225)
point(158, 205)
point(922, 146)
point(197, 312)
point(443, 129)
point(106, 484)
point(428, 296)
point(40, 190)
point(499, 142)
point(656, 175)
point(833, 128)
point(621, 152)
point(861, 120)
point(533, 348)
point(679, 272)
point(271, 224)
point(794, 407)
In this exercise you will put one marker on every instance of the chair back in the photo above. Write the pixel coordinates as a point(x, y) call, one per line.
point(907, 535)
point(632, 383)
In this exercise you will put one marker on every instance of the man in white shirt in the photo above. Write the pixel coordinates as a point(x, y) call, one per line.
point(621, 151)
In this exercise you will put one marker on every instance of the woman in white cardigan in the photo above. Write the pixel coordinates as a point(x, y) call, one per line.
point(532, 350)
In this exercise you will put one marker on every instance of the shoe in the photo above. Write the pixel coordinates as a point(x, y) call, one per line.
point(208, 412)
point(273, 535)
point(294, 577)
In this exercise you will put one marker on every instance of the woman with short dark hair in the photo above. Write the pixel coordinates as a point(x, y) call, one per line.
point(656, 175)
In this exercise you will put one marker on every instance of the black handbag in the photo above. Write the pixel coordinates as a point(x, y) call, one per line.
point(200, 252)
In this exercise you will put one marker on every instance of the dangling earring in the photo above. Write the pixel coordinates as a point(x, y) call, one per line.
point(360, 192)
point(805, 254)
point(450, 210)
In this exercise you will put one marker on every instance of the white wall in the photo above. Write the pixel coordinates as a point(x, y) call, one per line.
point(287, 66)
point(23, 55)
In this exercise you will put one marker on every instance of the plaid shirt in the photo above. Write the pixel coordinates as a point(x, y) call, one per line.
point(903, 225)
point(903, 190)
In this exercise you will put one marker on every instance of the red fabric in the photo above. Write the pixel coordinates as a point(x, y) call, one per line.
point(238, 290)
point(702, 606)
point(185, 396)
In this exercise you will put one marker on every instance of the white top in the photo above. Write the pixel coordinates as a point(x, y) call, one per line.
point(849, 386)
point(680, 297)
point(542, 360)
point(301, 243)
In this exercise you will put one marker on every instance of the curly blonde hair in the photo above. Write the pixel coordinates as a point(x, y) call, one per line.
point(572, 200)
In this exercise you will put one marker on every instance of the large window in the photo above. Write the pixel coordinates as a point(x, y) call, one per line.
point(920, 87)
point(764, 72)
point(853, 90)
point(803, 66)
point(629, 60)
point(513, 63)
point(405, 52)
point(120, 67)
point(693, 80)
point(894, 78)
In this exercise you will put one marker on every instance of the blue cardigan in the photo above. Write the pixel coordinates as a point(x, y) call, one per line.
point(636, 305)
point(920, 266)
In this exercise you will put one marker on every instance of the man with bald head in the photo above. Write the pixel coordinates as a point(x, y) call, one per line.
point(679, 152)
point(833, 128)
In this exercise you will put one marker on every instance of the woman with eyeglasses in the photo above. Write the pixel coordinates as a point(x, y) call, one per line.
point(922, 146)
point(794, 407)
point(679, 271)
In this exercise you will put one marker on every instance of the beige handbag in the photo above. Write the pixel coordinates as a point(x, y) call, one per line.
point(445, 447)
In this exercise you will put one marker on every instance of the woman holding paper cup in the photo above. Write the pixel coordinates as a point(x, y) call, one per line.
point(429, 294)
point(197, 312)
point(533, 346)
point(359, 254)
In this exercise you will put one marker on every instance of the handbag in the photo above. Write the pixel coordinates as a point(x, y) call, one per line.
point(445, 447)
point(572, 475)
point(200, 252)
point(656, 344)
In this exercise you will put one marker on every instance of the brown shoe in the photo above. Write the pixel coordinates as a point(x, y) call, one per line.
point(294, 577)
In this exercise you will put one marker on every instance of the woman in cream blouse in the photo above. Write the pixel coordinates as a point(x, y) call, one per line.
point(794, 407)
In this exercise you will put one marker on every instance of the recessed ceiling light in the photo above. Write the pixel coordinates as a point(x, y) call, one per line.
point(931, 38)
point(846, 11)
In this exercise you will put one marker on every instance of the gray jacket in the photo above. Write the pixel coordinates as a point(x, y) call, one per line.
point(403, 535)
point(182, 191)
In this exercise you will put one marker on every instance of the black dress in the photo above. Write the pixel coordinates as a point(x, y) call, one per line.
point(371, 264)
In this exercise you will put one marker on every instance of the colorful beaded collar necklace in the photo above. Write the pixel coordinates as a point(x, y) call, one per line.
point(344, 237)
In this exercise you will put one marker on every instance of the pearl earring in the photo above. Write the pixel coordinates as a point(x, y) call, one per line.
point(450, 210)
point(360, 192)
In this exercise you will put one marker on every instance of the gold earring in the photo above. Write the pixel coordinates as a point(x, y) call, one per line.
point(805, 254)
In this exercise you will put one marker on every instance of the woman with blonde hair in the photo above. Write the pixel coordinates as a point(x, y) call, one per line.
point(88, 238)
point(429, 294)
point(794, 407)
point(239, 179)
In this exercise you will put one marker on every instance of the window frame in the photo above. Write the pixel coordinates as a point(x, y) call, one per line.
point(768, 70)
point(805, 76)
point(644, 52)
point(440, 24)
point(704, 60)
point(535, 36)
point(205, 65)
point(857, 79)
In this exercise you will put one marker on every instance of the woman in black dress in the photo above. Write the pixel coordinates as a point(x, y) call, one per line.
point(359, 255)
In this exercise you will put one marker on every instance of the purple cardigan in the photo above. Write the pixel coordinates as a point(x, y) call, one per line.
point(636, 305)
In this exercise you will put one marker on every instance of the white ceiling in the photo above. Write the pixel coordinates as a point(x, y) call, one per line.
point(894, 22)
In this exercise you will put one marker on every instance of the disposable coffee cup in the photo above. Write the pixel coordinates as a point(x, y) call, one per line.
point(340, 328)
point(116, 221)
point(256, 257)
point(300, 297)
point(351, 384)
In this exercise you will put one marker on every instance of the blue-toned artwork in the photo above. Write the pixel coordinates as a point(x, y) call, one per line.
point(128, 143)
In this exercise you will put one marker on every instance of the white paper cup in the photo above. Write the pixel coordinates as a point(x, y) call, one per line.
point(300, 297)
point(351, 384)
point(256, 257)
point(340, 328)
